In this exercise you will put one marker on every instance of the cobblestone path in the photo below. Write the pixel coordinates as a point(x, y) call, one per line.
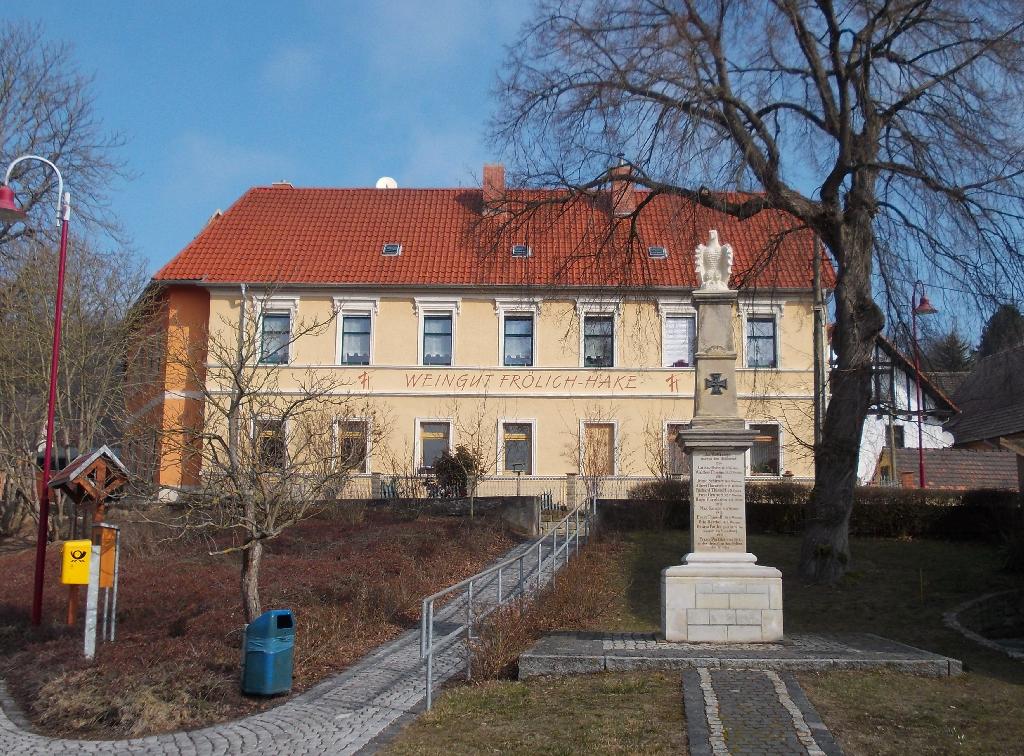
point(732, 712)
point(340, 715)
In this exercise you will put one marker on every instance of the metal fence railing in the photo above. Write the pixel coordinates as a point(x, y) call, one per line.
point(566, 490)
point(519, 577)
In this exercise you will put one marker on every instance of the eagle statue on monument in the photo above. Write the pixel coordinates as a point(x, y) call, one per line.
point(714, 264)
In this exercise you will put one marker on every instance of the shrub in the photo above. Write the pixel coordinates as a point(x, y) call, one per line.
point(781, 507)
point(653, 504)
point(582, 598)
point(663, 489)
point(453, 471)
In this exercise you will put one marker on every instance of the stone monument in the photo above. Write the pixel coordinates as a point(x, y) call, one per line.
point(719, 593)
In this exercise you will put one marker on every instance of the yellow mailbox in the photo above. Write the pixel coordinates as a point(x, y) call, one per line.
point(75, 564)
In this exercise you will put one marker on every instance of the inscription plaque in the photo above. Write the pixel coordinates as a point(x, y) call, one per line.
point(718, 520)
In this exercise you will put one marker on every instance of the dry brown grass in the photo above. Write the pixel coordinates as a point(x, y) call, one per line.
point(585, 597)
point(353, 577)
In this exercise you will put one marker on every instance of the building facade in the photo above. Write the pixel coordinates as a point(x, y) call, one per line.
point(892, 424)
point(559, 340)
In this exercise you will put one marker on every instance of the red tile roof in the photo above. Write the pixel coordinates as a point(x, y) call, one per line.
point(334, 236)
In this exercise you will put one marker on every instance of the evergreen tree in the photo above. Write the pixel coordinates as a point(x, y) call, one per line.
point(1004, 330)
point(948, 352)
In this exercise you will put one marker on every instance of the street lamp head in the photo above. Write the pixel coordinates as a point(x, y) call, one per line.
point(924, 307)
point(9, 210)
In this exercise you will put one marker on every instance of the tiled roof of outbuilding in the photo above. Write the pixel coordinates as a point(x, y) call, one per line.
point(961, 469)
point(285, 235)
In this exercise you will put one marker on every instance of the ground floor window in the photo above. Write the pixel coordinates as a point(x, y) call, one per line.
point(435, 440)
point(518, 447)
point(676, 461)
point(764, 454)
point(269, 444)
point(353, 436)
point(598, 449)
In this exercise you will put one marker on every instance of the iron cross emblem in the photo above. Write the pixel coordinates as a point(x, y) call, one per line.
point(716, 383)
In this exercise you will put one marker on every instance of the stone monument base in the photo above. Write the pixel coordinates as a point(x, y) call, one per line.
point(724, 598)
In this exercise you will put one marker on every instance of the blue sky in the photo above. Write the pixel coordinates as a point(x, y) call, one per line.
point(216, 97)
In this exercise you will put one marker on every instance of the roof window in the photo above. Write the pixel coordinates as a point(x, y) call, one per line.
point(657, 253)
point(521, 250)
point(392, 250)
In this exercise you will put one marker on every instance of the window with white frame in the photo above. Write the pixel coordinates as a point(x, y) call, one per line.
point(275, 315)
point(597, 332)
point(598, 340)
point(269, 444)
point(761, 327)
point(434, 440)
point(355, 339)
point(766, 451)
point(679, 340)
point(437, 330)
point(275, 336)
point(353, 445)
point(517, 339)
point(517, 447)
point(676, 460)
point(355, 329)
point(517, 330)
point(437, 339)
point(762, 341)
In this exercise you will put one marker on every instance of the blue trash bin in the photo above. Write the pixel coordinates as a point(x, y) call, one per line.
point(269, 652)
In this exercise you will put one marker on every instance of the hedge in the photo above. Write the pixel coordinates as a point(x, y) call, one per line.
point(982, 515)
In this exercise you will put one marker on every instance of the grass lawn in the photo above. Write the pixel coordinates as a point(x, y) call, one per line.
point(598, 714)
point(354, 579)
point(898, 589)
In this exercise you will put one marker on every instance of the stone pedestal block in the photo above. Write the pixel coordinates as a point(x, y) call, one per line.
point(734, 601)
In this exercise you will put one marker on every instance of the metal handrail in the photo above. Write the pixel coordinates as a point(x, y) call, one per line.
point(580, 521)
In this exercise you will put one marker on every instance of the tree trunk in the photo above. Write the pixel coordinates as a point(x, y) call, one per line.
point(825, 551)
point(251, 560)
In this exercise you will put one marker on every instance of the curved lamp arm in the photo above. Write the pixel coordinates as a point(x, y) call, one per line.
point(63, 201)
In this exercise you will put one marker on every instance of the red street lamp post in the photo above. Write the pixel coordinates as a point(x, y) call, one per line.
point(919, 307)
point(10, 213)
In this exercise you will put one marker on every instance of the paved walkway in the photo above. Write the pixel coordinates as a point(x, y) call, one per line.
point(740, 698)
point(341, 715)
point(733, 712)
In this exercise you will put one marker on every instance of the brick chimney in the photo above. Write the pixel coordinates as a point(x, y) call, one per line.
point(623, 196)
point(494, 187)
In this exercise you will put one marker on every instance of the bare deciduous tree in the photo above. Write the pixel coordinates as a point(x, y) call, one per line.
point(891, 128)
point(98, 316)
point(47, 109)
point(272, 444)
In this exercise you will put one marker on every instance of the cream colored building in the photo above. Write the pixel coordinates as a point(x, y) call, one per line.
point(460, 323)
